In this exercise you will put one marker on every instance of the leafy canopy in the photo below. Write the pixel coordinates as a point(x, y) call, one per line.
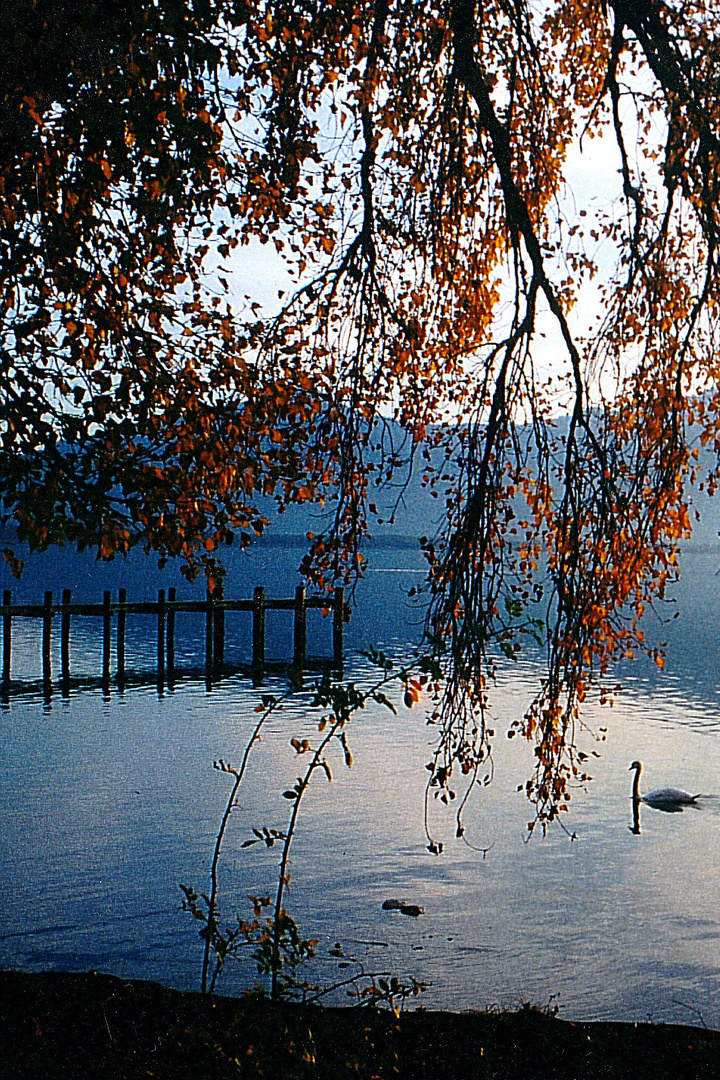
point(411, 160)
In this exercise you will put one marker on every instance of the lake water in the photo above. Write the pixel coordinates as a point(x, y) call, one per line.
point(108, 802)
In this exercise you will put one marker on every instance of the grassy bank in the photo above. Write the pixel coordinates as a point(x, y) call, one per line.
point(80, 1027)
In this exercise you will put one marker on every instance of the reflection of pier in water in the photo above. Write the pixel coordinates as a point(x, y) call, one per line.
point(165, 610)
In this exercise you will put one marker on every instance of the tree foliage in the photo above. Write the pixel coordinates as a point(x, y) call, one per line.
point(412, 163)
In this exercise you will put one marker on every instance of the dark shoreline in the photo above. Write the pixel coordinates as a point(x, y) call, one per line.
point(58, 1026)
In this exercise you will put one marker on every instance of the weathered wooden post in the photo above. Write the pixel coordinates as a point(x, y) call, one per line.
point(121, 625)
point(65, 641)
point(47, 639)
point(338, 625)
point(218, 629)
point(7, 638)
point(258, 644)
point(172, 597)
point(161, 617)
point(107, 628)
point(209, 639)
point(300, 629)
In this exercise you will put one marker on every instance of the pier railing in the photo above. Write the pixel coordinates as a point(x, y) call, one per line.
point(164, 611)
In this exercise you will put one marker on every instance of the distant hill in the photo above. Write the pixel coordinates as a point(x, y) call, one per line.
point(408, 510)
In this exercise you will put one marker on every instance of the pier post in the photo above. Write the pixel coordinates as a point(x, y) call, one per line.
point(300, 629)
point(107, 626)
point(172, 597)
point(7, 638)
point(209, 640)
point(161, 616)
point(258, 644)
point(47, 639)
point(121, 625)
point(218, 630)
point(338, 625)
point(65, 641)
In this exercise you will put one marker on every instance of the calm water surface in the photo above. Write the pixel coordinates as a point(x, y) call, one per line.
point(106, 804)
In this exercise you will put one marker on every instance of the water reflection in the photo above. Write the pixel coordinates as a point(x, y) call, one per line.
point(664, 807)
point(104, 807)
point(635, 827)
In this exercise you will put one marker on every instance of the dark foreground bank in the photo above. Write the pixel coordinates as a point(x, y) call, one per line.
point(78, 1027)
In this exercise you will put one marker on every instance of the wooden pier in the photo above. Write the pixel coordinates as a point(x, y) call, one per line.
point(164, 610)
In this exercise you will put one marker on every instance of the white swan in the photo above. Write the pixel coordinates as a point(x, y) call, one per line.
point(670, 799)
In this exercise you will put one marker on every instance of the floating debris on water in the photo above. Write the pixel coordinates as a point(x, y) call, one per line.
point(403, 907)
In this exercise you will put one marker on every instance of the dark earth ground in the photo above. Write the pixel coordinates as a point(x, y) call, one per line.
point(87, 1026)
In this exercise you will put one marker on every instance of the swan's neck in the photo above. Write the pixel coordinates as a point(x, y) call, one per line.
point(636, 784)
